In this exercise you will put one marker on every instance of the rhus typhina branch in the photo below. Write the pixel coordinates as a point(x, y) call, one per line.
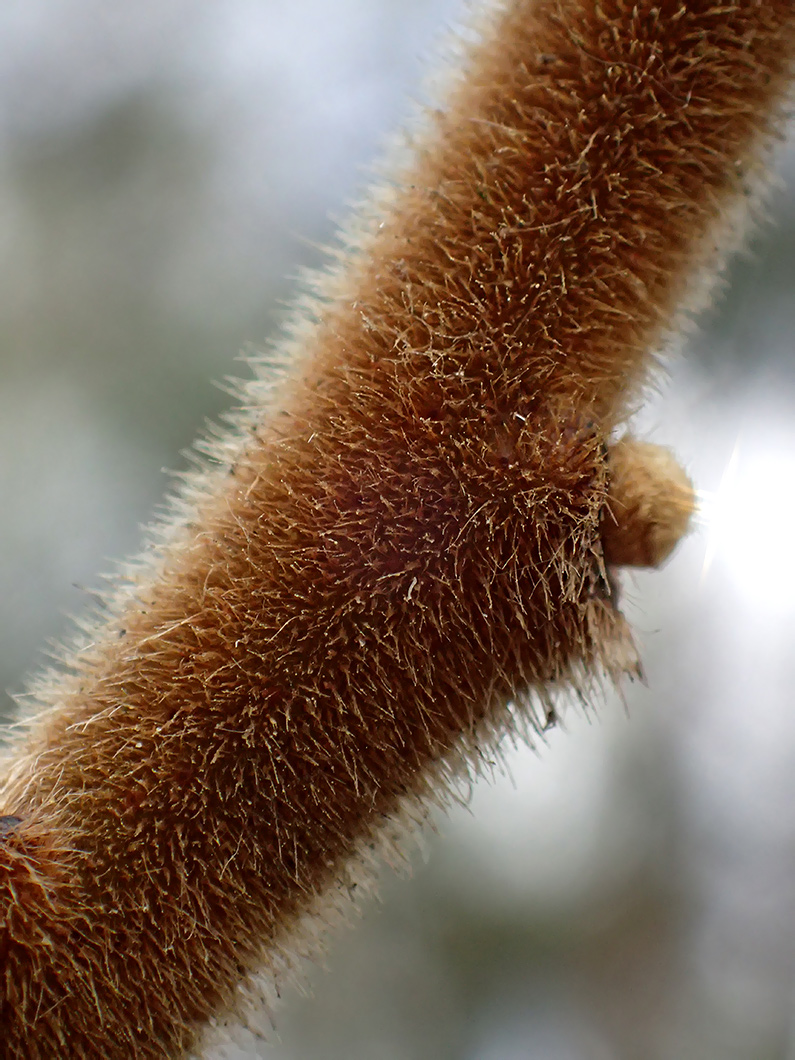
point(409, 549)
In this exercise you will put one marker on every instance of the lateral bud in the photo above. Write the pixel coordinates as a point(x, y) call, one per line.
point(650, 501)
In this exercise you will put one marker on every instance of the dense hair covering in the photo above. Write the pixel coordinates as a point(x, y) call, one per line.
point(402, 557)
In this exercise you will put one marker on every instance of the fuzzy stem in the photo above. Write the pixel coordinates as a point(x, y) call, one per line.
point(406, 556)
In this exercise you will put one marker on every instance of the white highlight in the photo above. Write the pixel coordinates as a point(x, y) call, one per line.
point(750, 523)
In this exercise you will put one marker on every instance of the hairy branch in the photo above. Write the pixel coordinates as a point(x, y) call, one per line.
point(409, 548)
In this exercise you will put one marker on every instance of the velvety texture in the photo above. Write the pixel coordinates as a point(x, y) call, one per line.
point(404, 555)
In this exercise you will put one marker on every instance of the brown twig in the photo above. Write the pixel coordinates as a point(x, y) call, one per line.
point(405, 555)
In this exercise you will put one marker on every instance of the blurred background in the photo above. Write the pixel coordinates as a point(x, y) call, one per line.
point(628, 892)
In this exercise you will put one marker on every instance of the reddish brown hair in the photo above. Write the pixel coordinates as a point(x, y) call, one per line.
point(404, 556)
